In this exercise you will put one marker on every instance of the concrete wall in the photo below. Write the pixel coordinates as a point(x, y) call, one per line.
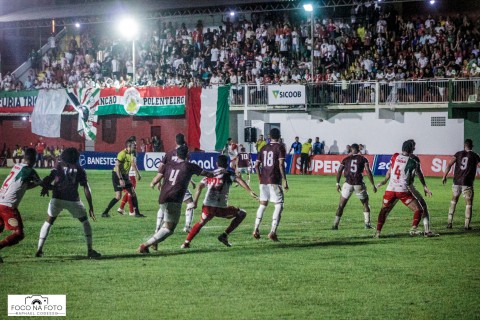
point(379, 136)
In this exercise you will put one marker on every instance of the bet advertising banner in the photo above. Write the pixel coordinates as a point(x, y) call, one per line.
point(18, 101)
point(146, 101)
point(286, 95)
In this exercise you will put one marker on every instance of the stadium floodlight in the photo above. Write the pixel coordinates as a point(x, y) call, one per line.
point(432, 1)
point(77, 25)
point(232, 13)
point(128, 27)
point(309, 8)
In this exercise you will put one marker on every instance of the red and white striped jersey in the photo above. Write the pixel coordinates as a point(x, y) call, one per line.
point(16, 183)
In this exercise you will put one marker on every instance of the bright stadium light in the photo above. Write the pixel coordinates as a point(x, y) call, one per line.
point(432, 1)
point(308, 7)
point(77, 25)
point(232, 13)
point(128, 27)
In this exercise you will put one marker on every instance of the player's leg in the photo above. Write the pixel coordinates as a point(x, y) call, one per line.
point(78, 211)
point(347, 190)
point(238, 216)
point(118, 194)
point(55, 206)
point(423, 204)
point(366, 212)
point(11, 220)
point(456, 191)
point(123, 202)
point(133, 195)
point(412, 203)
point(389, 201)
point(207, 215)
point(264, 196)
point(172, 216)
point(188, 199)
point(133, 180)
point(468, 195)
point(276, 196)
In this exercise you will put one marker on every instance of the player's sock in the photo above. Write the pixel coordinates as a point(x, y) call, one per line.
point(195, 230)
point(468, 215)
point(87, 230)
point(366, 217)
point(110, 205)
point(130, 203)
point(426, 223)
point(43, 234)
point(260, 211)
point(159, 236)
point(236, 221)
point(336, 222)
point(160, 215)
point(382, 217)
point(417, 215)
point(277, 215)
point(451, 211)
point(135, 204)
point(124, 201)
point(189, 215)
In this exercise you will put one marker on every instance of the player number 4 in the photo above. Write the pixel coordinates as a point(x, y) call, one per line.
point(397, 172)
point(173, 177)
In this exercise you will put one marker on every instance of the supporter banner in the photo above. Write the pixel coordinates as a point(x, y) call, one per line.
point(85, 102)
point(18, 101)
point(146, 101)
point(322, 164)
point(286, 95)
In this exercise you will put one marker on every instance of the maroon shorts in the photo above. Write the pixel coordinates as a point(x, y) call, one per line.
point(10, 218)
point(228, 213)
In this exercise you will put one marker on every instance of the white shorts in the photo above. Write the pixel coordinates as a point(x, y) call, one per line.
point(76, 208)
point(188, 195)
point(243, 170)
point(171, 211)
point(360, 191)
point(466, 191)
point(271, 192)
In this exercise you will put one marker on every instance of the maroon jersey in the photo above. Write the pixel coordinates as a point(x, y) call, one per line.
point(353, 168)
point(243, 160)
point(170, 156)
point(465, 168)
point(67, 177)
point(269, 158)
point(176, 176)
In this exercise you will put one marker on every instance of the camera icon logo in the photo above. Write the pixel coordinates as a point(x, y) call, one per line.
point(36, 299)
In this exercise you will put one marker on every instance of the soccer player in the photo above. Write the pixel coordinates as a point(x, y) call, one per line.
point(21, 178)
point(244, 164)
point(353, 167)
point(466, 162)
point(215, 203)
point(187, 199)
point(133, 176)
point(176, 175)
point(270, 166)
point(231, 149)
point(402, 171)
point(305, 154)
point(120, 178)
point(64, 180)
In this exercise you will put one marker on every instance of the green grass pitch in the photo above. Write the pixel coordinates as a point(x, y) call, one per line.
point(313, 273)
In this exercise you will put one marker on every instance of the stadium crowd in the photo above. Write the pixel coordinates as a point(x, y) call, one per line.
point(272, 48)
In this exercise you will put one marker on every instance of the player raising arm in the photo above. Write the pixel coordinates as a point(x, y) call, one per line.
point(353, 166)
point(215, 203)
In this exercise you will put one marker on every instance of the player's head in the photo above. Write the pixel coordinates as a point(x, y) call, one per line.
point(309, 140)
point(317, 139)
point(182, 152)
point(468, 144)
point(242, 149)
point(70, 155)
point(229, 140)
point(355, 148)
point(414, 143)
point(180, 139)
point(222, 161)
point(30, 157)
point(408, 146)
point(275, 134)
point(130, 145)
point(132, 138)
point(296, 138)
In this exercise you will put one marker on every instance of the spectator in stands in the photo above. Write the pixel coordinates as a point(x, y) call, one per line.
point(18, 154)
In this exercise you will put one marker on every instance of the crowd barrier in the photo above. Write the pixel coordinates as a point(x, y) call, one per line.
point(432, 165)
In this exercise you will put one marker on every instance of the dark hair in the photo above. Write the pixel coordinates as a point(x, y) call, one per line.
point(413, 141)
point(242, 149)
point(70, 155)
point(222, 161)
point(469, 143)
point(275, 133)
point(408, 146)
point(182, 152)
point(30, 156)
point(132, 138)
point(355, 147)
point(180, 139)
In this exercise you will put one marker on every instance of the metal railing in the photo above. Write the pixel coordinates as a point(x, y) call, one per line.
point(368, 93)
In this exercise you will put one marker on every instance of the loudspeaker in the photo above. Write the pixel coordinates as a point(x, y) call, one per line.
point(250, 134)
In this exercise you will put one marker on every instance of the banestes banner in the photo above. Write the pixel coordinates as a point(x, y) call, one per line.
point(286, 95)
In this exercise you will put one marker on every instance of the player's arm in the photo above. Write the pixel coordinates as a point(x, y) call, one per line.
point(135, 168)
point(208, 174)
point(370, 176)
point(118, 172)
point(156, 180)
point(35, 181)
point(339, 176)
point(193, 184)
point(282, 172)
point(421, 177)
point(88, 196)
point(257, 168)
point(198, 192)
point(447, 169)
point(387, 177)
point(245, 186)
